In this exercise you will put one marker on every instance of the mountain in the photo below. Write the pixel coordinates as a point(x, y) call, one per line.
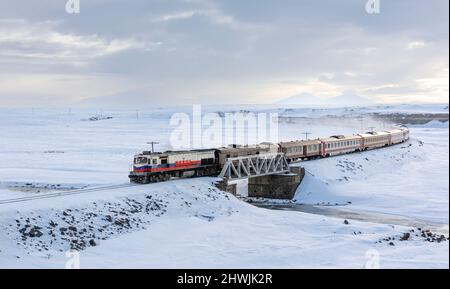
point(307, 99)
point(302, 99)
point(349, 99)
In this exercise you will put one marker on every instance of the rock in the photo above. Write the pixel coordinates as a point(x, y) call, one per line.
point(73, 229)
point(35, 232)
point(391, 244)
point(92, 243)
point(122, 222)
point(108, 218)
point(405, 237)
point(346, 222)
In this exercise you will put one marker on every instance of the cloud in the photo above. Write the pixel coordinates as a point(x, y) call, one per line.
point(51, 89)
point(218, 51)
point(212, 15)
point(415, 45)
point(21, 40)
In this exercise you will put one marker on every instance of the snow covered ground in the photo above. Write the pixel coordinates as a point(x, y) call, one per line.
point(189, 223)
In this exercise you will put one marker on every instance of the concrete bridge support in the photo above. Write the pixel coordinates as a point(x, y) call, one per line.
point(280, 186)
point(276, 186)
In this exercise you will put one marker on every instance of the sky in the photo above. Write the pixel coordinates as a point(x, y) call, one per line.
point(163, 52)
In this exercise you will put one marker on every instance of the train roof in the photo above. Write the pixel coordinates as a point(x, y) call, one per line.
point(398, 130)
point(375, 133)
point(298, 142)
point(340, 138)
point(166, 153)
point(263, 146)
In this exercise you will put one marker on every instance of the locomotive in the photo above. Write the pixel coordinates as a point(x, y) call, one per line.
point(149, 167)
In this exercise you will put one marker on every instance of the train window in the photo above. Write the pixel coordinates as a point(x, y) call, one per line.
point(155, 161)
point(141, 160)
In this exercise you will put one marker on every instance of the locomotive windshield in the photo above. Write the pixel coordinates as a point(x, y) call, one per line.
point(140, 160)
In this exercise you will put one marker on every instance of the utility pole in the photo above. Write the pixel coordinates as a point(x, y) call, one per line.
point(306, 134)
point(137, 114)
point(153, 144)
point(361, 119)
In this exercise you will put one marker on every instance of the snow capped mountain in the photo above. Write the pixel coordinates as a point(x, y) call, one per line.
point(302, 99)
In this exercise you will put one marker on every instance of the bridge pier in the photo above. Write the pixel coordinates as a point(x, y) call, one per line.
point(268, 175)
point(280, 186)
point(276, 186)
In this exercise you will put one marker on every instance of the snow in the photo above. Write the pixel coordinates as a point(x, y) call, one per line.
point(44, 151)
point(409, 179)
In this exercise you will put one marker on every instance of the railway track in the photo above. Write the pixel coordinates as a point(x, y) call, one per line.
point(65, 193)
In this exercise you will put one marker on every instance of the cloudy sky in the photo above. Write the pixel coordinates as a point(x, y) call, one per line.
point(147, 52)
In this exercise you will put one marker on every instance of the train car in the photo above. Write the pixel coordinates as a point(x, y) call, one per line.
point(336, 145)
point(154, 167)
point(375, 139)
point(405, 134)
point(243, 150)
point(397, 136)
point(301, 150)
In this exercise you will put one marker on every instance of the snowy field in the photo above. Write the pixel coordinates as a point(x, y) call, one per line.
point(189, 223)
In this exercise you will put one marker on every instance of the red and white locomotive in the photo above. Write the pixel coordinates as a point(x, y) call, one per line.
point(151, 167)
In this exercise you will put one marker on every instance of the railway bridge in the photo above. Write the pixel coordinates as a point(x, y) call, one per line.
point(254, 166)
point(268, 175)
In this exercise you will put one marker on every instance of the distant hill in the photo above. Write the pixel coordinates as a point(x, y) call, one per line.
point(307, 99)
point(349, 100)
point(302, 99)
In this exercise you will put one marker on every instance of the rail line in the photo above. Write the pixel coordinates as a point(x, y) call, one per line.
point(65, 193)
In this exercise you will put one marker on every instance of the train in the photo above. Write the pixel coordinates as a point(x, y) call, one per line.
point(151, 167)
